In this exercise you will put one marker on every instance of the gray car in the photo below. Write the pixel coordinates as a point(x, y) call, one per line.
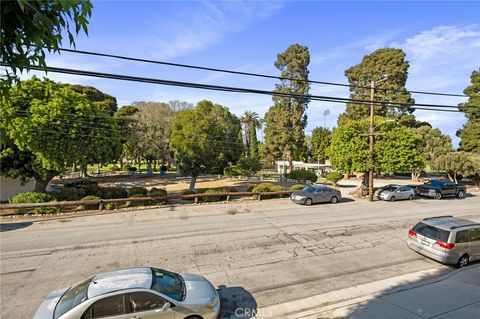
point(395, 192)
point(316, 194)
point(147, 293)
point(447, 239)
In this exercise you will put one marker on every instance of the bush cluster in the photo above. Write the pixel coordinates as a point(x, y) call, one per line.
point(89, 197)
point(215, 198)
point(157, 192)
point(303, 175)
point(267, 188)
point(77, 193)
point(137, 190)
point(334, 177)
point(34, 197)
point(297, 187)
point(234, 170)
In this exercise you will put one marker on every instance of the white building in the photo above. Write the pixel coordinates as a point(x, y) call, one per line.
point(319, 169)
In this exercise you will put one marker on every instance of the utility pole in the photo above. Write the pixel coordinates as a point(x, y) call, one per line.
point(371, 134)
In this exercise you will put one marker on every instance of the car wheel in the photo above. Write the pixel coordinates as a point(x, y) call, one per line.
point(392, 199)
point(463, 261)
point(308, 201)
point(410, 197)
point(334, 200)
point(461, 195)
point(438, 196)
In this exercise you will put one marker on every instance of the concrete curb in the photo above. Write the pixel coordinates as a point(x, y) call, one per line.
point(306, 307)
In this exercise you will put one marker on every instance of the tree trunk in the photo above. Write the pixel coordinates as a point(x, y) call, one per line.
point(365, 179)
point(41, 184)
point(415, 175)
point(450, 177)
point(455, 177)
point(192, 184)
point(83, 170)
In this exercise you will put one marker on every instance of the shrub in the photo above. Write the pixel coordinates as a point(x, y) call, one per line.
point(250, 187)
point(70, 193)
point(113, 167)
point(249, 165)
point(33, 197)
point(112, 192)
point(215, 198)
point(92, 189)
point(137, 203)
point(137, 191)
point(80, 183)
point(89, 197)
point(262, 187)
point(297, 187)
point(303, 175)
point(234, 171)
point(334, 177)
point(157, 192)
point(110, 206)
point(126, 167)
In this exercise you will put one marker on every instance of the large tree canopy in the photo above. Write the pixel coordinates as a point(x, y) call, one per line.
point(388, 65)
point(205, 139)
point(57, 126)
point(320, 142)
point(470, 133)
point(396, 149)
point(250, 122)
point(31, 28)
point(434, 144)
point(286, 119)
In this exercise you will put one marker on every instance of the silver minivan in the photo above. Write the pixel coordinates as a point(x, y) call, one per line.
point(447, 239)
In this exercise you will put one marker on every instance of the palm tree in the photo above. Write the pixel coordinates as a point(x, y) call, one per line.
point(250, 122)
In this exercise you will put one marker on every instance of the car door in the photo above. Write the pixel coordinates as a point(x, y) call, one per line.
point(400, 193)
point(319, 195)
point(448, 189)
point(475, 243)
point(146, 305)
point(112, 307)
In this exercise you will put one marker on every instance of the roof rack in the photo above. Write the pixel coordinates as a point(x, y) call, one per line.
point(468, 225)
point(437, 217)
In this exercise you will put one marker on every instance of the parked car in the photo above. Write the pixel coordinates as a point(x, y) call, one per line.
point(447, 239)
point(316, 194)
point(134, 293)
point(395, 192)
point(441, 188)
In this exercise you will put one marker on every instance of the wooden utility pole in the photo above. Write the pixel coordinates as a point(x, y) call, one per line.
point(371, 134)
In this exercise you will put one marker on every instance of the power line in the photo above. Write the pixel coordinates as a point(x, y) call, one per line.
point(233, 89)
point(189, 66)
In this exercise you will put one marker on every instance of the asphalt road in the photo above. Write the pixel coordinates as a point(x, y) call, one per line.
point(257, 253)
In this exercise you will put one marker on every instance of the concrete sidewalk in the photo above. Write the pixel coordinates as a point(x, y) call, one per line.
point(451, 294)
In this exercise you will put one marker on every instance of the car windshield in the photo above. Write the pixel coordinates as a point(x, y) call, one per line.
point(71, 298)
point(389, 188)
point(432, 232)
point(168, 283)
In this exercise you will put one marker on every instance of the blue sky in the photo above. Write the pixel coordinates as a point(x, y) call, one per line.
point(441, 40)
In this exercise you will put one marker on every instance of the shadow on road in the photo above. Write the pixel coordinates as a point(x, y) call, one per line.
point(450, 294)
point(13, 226)
point(236, 302)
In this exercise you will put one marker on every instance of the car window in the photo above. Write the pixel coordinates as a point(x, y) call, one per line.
point(462, 237)
point(432, 232)
point(168, 283)
point(475, 234)
point(71, 298)
point(308, 189)
point(106, 307)
point(144, 301)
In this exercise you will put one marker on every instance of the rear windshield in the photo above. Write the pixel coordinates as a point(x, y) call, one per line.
point(72, 298)
point(431, 232)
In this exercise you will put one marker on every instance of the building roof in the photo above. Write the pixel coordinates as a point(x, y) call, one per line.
point(118, 280)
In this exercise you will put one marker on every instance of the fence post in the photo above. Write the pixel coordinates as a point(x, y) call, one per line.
point(228, 198)
point(100, 205)
point(260, 196)
point(196, 200)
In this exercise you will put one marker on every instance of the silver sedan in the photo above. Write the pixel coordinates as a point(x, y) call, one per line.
point(147, 293)
point(316, 194)
point(395, 192)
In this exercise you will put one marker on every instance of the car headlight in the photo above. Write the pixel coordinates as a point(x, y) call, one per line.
point(212, 303)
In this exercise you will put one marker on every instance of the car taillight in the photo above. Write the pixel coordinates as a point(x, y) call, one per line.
point(412, 233)
point(445, 245)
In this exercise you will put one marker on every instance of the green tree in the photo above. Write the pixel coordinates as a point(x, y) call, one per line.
point(250, 122)
point(469, 134)
point(389, 63)
point(434, 144)
point(126, 124)
point(250, 165)
point(397, 148)
point(320, 142)
point(31, 28)
point(286, 119)
point(103, 102)
point(455, 163)
point(57, 126)
point(205, 139)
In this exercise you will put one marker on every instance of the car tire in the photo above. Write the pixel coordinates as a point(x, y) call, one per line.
point(308, 201)
point(463, 261)
point(392, 199)
point(461, 195)
point(410, 197)
point(334, 200)
point(438, 196)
